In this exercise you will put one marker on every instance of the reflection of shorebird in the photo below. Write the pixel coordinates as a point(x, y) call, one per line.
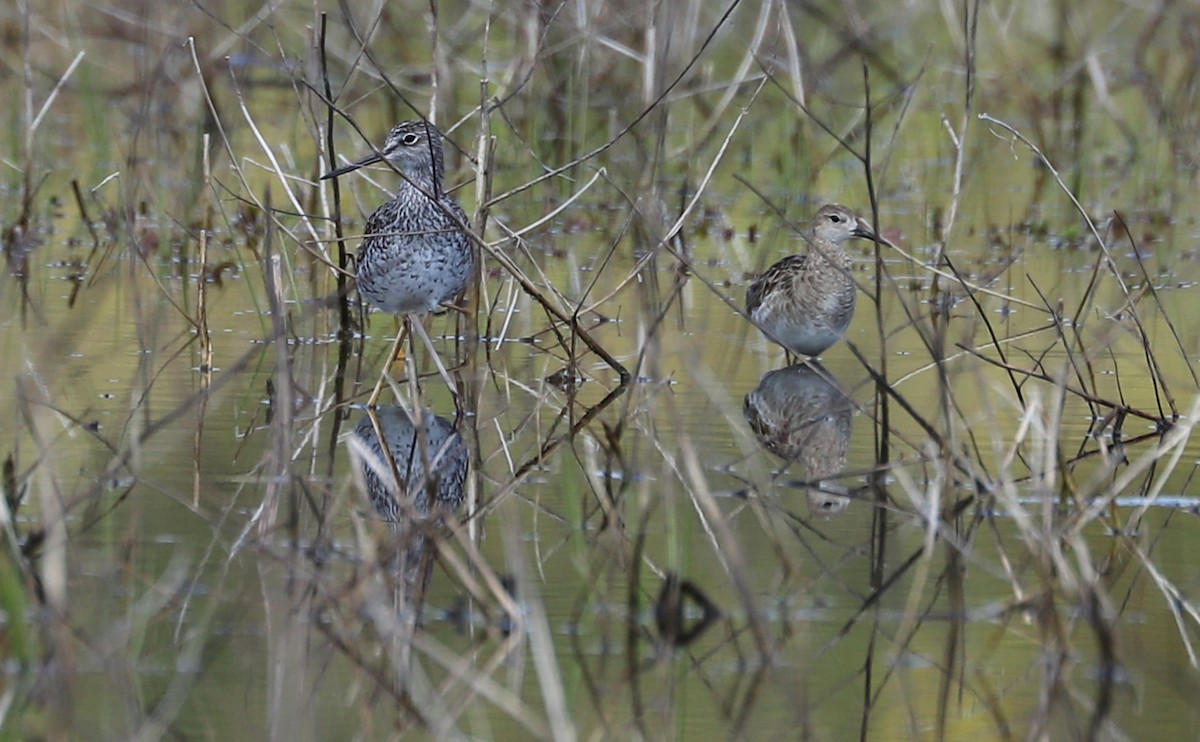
point(414, 255)
point(799, 413)
point(417, 474)
point(402, 493)
point(413, 481)
point(805, 302)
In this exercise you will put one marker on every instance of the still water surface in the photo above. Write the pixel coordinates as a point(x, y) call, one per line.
point(225, 576)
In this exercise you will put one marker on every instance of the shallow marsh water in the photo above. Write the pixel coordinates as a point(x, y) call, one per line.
point(194, 554)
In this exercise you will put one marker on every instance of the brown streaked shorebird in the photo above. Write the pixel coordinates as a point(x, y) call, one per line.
point(805, 302)
point(414, 256)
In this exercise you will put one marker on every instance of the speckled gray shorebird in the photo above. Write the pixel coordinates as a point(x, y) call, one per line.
point(414, 256)
point(805, 302)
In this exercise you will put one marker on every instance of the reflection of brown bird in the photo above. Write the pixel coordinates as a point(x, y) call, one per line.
point(799, 413)
point(805, 302)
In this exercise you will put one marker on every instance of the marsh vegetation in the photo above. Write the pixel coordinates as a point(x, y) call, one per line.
point(974, 517)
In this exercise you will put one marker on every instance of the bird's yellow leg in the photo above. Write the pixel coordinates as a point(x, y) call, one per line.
point(399, 350)
point(395, 364)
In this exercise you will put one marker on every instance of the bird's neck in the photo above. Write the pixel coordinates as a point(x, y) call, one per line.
point(421, 185)
point(829, 253)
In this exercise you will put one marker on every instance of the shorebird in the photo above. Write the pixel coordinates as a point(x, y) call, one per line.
point(805, 302)
point(414, 255)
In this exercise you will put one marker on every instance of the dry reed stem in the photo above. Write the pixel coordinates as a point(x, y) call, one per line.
point(662, 96)
point(1104, 255)
point(741, 74)
point(460, 668)
point(276, 168)
point(959, 138)
point(1114, 270)
point(727, 547)
point(545, 661)
point(36, 120)
point(674, 230)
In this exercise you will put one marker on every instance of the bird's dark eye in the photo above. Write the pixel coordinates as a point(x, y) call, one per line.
point(834, 218)
point(409, 140)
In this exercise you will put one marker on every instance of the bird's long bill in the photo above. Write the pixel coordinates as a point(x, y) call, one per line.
point(863, 230)
point(368, 160)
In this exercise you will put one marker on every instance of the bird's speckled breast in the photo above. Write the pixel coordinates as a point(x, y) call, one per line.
point(415, 256)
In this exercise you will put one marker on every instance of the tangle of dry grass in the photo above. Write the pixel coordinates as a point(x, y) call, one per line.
point(629, 560)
